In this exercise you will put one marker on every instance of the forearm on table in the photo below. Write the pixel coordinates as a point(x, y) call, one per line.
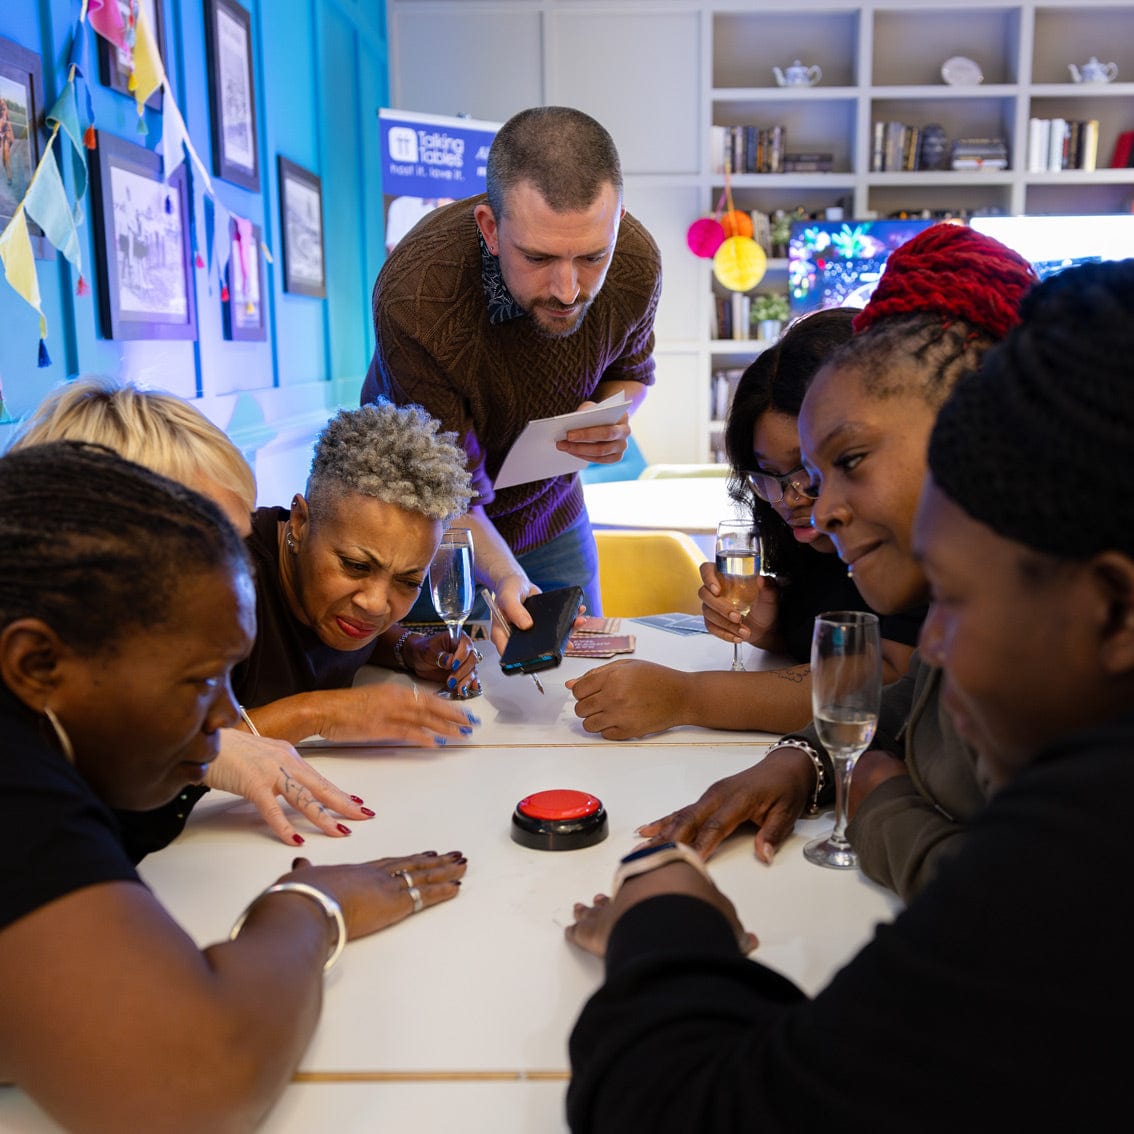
point(296, 717)
point(771, 700)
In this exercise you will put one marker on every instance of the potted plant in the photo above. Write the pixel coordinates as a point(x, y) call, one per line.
point(769, 312)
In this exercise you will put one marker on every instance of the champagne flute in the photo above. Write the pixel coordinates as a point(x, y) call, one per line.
point(846, 690)
point(451, 583)
point(738, 565)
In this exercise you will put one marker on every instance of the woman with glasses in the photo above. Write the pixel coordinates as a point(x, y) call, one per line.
point(804, 577)
point(947, 297)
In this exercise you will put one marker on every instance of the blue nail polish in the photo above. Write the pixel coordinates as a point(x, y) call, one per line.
point(441, 741)
point(464, 690)
point(451, 683)
point(473, 719)
point(456, 664)
point(466, 730)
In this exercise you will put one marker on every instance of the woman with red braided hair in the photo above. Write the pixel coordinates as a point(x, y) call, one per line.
point(991, 1003)
point(946, 297)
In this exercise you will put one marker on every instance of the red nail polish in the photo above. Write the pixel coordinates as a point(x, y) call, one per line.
point(297, 839)
point(355, 799)
point(341, 829)
point(367, 812)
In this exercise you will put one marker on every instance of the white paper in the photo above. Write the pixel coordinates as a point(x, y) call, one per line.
point(534, 456)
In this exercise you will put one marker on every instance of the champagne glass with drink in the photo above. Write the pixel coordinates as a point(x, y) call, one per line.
point(738, 566)
point(846, 690)
point(451, 583)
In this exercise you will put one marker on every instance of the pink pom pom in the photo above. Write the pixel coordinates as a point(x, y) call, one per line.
point(704, 237)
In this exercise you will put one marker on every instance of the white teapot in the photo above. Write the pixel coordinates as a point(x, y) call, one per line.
point(1094, 72)
point(797, 75)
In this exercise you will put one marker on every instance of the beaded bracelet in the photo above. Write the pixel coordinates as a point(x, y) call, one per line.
point(399, 660)
point(816, 759)
point(330, 907)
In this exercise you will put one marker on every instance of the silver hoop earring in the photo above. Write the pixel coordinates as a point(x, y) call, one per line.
point(289, 539)
point(60, 734)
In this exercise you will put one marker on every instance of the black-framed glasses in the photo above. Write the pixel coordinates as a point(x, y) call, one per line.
point(772, 488)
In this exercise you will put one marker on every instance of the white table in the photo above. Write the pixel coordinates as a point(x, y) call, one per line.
point(458, 1018)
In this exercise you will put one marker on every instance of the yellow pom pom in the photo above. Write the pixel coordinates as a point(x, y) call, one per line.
point(740, 263)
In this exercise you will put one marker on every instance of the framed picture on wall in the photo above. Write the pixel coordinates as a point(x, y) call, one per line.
point(232, 94)
point(301, 222)
point(145, 273)
point(115, 64)
point(21, 134)
point(244, 317)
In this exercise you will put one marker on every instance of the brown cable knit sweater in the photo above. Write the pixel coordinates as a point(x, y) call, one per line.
point(486, 381)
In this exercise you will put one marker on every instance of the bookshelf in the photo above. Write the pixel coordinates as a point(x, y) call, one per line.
point(660, 73)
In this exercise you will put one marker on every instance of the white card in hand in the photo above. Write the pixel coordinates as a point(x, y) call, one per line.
point(534, 456)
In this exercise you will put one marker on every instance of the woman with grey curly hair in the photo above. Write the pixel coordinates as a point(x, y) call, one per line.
point(337, 571)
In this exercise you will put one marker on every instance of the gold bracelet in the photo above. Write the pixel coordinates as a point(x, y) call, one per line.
point(330, 907)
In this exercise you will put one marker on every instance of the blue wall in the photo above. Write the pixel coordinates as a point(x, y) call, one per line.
point(321, 75)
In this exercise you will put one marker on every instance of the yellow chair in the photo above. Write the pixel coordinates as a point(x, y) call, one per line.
point(655, 472)
point(648, 572)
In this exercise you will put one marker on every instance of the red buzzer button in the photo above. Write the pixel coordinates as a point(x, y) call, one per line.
point(559, 804)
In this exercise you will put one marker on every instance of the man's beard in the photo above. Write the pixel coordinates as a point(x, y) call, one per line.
point(558, 332)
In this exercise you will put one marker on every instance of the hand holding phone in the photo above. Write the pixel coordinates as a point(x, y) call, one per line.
point(541, 647)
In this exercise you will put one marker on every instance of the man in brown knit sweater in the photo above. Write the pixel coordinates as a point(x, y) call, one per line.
point(533, 300)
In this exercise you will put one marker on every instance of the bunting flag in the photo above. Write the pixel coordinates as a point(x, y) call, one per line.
point(19, 269)
point(106, 19)
point(149, 74)
point(46, 203)
point(64, 118)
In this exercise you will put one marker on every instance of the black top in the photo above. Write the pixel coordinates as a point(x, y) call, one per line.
point(287, 657)
point(992, 1003)
point(58, 835)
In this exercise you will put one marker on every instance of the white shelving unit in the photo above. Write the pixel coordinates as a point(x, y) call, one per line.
point(659, 73)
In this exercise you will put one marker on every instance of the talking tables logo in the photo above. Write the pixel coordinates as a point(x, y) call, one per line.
point(402, 144)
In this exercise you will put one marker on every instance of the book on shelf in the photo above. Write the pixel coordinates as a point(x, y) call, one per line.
point(808, 163)
point(894, 147)
point(1056, 144)
point(748, 149)
point(722, 390)
point(979, 154)
point(1123, 155)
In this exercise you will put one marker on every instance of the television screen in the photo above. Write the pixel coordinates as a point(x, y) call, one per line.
point(839, 263)
point(1051, 244)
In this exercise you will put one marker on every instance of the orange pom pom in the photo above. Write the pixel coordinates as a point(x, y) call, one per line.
point(736, 223)
point(89, 138)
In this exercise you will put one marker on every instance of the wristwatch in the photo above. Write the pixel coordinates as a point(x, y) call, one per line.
point(651, 857)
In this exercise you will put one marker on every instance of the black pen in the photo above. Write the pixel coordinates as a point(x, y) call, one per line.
point(506, 626)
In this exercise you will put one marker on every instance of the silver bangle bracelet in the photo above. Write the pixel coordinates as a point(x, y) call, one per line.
point(399, 659)
point(816, 760)
point(328, 904)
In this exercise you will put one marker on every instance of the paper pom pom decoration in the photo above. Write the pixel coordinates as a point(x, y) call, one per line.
point(704, 237)
point(736, 223)
point(739, 263)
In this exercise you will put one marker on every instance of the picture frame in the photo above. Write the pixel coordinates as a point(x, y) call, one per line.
point(116, 65)
point(244, 318)
point(142, 249)
point(232, 93)
point(301, 223)
point(22, 136)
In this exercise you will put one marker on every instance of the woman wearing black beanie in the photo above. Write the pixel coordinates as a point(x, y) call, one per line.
point(992, 1002)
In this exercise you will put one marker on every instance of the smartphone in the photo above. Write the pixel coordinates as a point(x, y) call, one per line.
point(542, 646)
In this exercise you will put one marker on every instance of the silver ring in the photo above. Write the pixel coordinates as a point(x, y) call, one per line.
point(440, 657)
point(477, 654)
point(415, 894)
point(406, 875)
